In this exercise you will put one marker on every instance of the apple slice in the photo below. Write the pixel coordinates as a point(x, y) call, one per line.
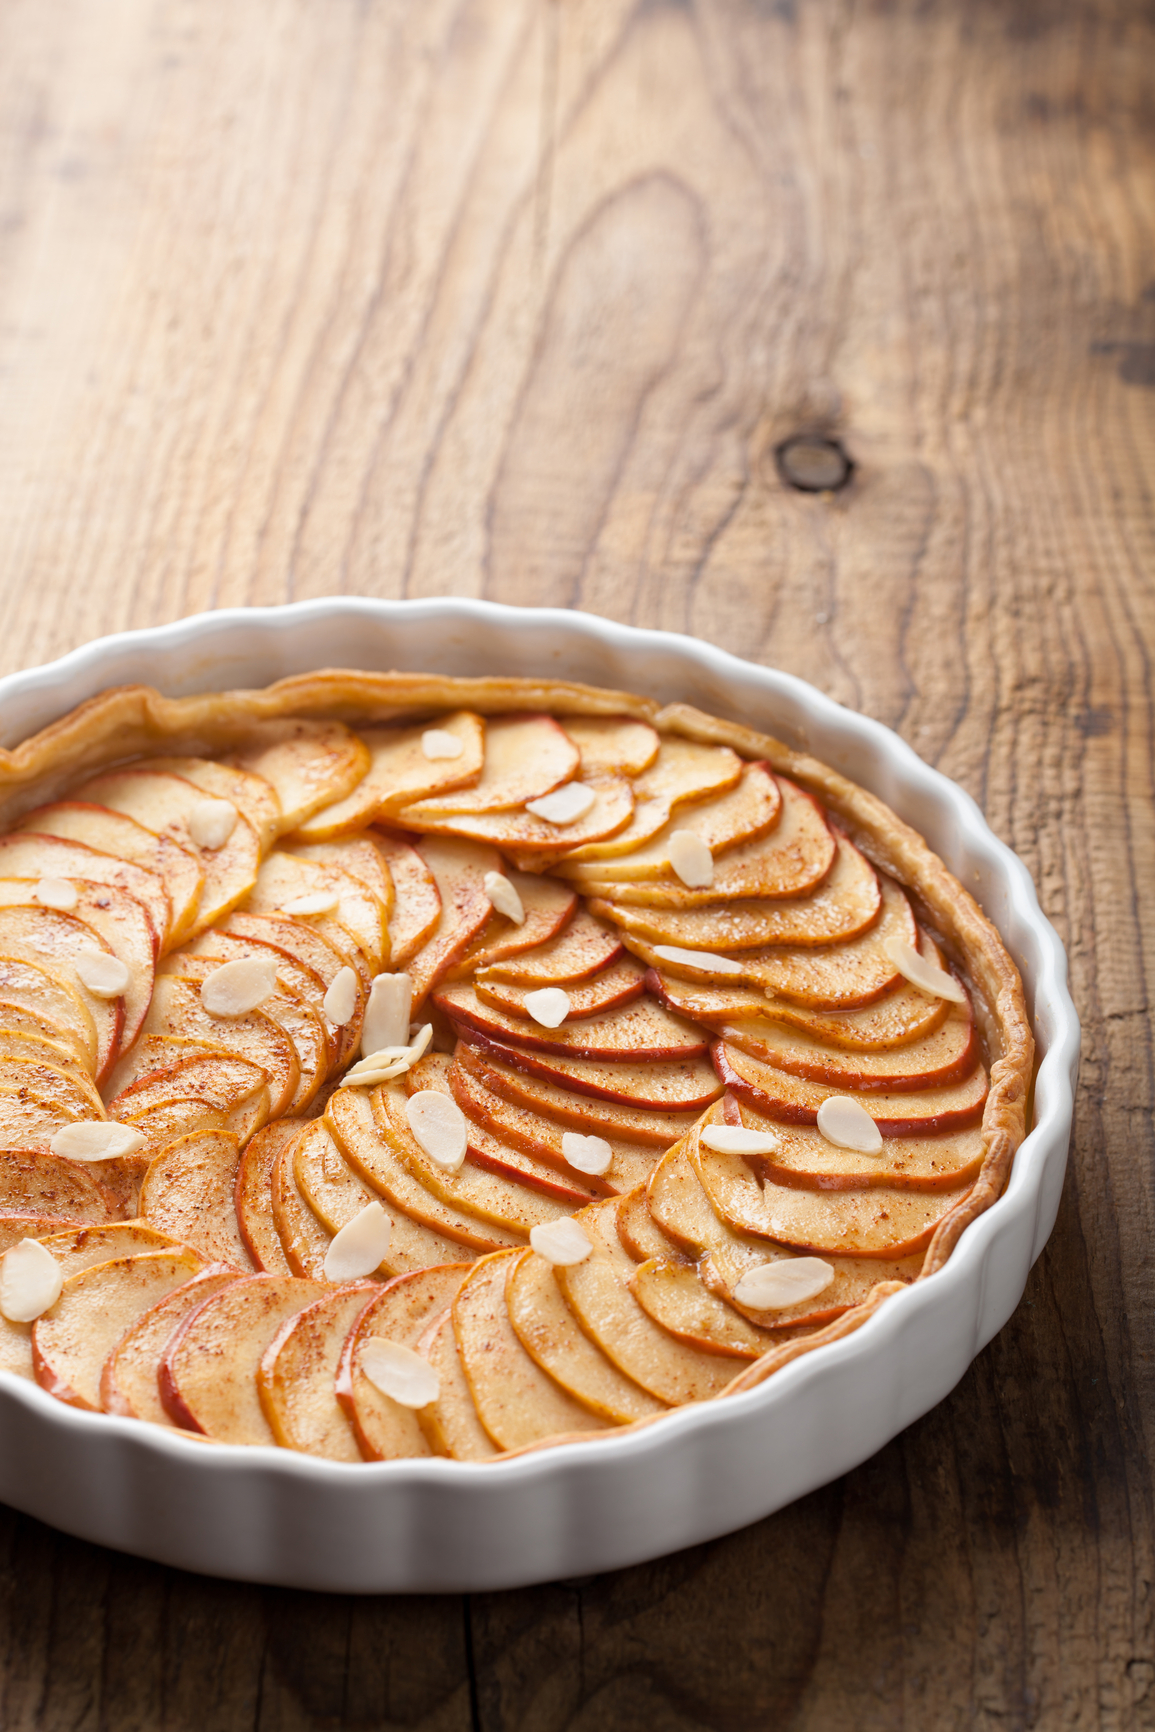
point(358, 919)
point(251, 795)
point(303, 986)
point(931, 1163)
point(208, 1372)
point(573, 1111)
point(548, 907)
point(54, 943)
point(534, 841)
point(638, 1031)
point(308, 764)
point(612, 745)
point(20, 1023)
point(525, 756)
point(640, 1234)
point(28, 855)
point(26, 985)
point(679, 1085)
point(20, 1043)
point(252, 1197)
point(72, 1340)
point(305, 1239)
point(487, 1196)
point(516, 1401)
point(353, 1127)
point(416, 902)
point(618, 985)
point(597, 1291)
point(795, 1100)
point(298, 1371)
point(673, 1296)
point(176, 1010)
point(842, 907)
point(359, 856)
point(124, 840)
point(549, 1332)
point(401, 1312)
point(128, 1380)
point(297, 940)
point(683, 771)
point(164, 804)
point(583, 949)
point(169, 1120)
point(31, 1181)
point(232, 1093)
point(302, 1022)
point(188, 1192)
point(451, 1423)
point(14, 1227)
point(746, 811)
point(29, 1122)
point(941, 1058)
point(458, 870)
point(69, 1089)
point(120, 921)
point(400, 772)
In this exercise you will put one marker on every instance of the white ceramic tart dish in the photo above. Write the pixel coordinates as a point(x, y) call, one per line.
point(567, 1088)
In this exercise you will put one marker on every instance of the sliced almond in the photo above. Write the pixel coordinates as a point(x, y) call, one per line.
point(30, 1281)
point(737, 1140)
point(212, 822)
point(504, 897)
point(359, 1248)
point(789, 1281)
point(848, 1125)
point(104, 976)
point(237, 987)
point(439, 743)
point(691, 859)
point(702, 960)
point(398, 1372)
point(563, 1242)
point(586, 1154)
point(438, 1124)
point(549, 1007)
point(320, 902)
point(96, 1140)
point(387, 1013)
point(340, 1001)
point(934, 981)
point(56, 893)
point(565, 805)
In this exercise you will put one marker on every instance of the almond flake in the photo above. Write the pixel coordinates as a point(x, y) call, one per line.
point(438, 1124)
point(399, 1372)
point(358, 1248)
point(317, 902)
point(549, 1007)
point(701, 960)
point(737, 1140)
point(105, 976)
point(391, 1061)
point(789, 1281)
point(565, 805)
point(387, 1013)
point(439, 743)
point(212, 822)
point(504, 897)
point(237, 987)
point(341, 999)
point(563, 1242)
point(30, 1281)
point(927, 976)
point(848, 1125)
point(56, 893)
point(586, 1154)
point(691, 859)
point(96, 1140)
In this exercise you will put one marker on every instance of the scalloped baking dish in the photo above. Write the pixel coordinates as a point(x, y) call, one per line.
point(268, 1515)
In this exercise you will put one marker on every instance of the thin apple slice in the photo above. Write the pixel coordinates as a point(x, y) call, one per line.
point(399, 772)
point(74, 1337)
point(28, 855)
point(48, 1185)
point(169, 1120)
point(124, 840)
point(519, 1127)
point(584, 1113)
point(60, 1086)
point(252, 1197)
point(640, 1233)
point(549, 1332)
point(401, 1312)
point(20, 1039)
point(358, 855)
point(308, 764)
point(525, 756)
point(805, 1157)
point(679, 1085)
point(298, 1371)
point(208, 1372)
point(14, 1227)
point(303, 986)
point(29, 1122)
point(612, 745)
point(451, 1423)
point(843, 906)
point(674, 1297)
point(164, 804)
point(302, 1022)
point(583, 949)
point(251, 795)
point(55, 943)
point(188, 1191)
point(516, 1401)
point(535, 841)
point(232, 1093)
point(683, 771)
point(416, 902)
point(176, 1010)
point(27, 985)
point(297, 940)
point(353, 1125)
point(128, 1380)
point(123, 925)
point(637, 1032)
point(597, 1291)
point(548, 907)
point(941, 1058)
point(359, 917)
point(304, 1237)
point(472, 1190)
point(459, 870)
point(795, 1100)
point(618, 985)
point(22, 1023)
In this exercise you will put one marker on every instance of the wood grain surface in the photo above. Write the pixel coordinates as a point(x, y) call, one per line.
point(518, 298)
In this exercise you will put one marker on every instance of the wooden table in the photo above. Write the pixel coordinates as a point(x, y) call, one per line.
point(519, 298)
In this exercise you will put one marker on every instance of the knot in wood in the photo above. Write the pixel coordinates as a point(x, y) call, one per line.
point(813, 464)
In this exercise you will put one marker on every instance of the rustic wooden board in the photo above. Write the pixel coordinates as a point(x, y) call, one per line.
point(517, 298)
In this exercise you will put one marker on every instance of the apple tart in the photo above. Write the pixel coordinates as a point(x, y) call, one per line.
point(395, 1066)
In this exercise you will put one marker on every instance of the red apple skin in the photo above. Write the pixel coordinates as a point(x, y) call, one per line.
point(794, 1112)
point(171, 1398)
point(533, 1065)
point(534, 1039)
point(832, 1075)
